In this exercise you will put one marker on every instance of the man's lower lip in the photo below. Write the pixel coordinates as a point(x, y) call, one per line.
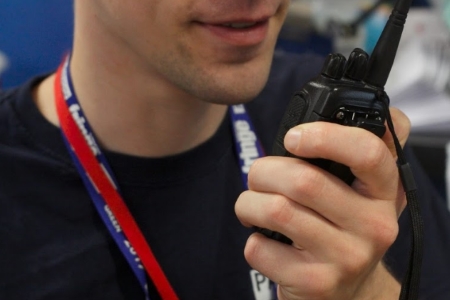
point(249, 36)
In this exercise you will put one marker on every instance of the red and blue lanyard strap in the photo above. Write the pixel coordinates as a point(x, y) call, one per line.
point(102, 186)
point(100, 183)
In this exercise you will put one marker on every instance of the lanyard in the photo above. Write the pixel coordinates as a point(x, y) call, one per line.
point(247, 145)
point(102, 187)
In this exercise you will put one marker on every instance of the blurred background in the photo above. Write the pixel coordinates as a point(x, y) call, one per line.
point(36, 34)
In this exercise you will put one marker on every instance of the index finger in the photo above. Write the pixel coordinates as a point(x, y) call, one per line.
point(368, 157)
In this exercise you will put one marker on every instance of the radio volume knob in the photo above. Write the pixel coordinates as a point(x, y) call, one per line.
point(334, 66)
point(357, 65)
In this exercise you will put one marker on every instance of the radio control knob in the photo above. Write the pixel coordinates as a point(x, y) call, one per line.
point(334, 66)
point(357, 65)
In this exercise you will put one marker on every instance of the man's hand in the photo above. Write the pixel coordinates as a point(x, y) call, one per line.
point(340, 233)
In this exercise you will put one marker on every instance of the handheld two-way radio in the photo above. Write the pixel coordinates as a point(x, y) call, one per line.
point(351, 92)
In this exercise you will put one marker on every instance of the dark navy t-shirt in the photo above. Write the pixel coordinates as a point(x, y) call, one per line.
point(53, 245)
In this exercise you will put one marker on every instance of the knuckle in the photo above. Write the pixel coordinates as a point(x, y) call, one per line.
point(252, 249)
point(357, 257)
point(375, 152)
point(318, 137)
point(240, 204)
point(385, 232)
point(280, 212)
point(357, 260)
point(321, 284)
point(255, 251)
point(376, 233)
point(308, 182)
point(252, 175)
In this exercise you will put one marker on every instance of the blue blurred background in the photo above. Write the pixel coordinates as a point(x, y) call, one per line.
point(34, 35)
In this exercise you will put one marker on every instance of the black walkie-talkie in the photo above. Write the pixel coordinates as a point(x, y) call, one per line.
point(348, 92)
point(351, 92)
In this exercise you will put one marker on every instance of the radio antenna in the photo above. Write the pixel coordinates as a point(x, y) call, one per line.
point(383, 55)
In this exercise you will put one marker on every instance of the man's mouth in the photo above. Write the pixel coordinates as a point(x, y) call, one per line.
point(239, 33)
point(243, 25)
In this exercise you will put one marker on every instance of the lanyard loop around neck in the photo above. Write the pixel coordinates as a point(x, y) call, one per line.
point(99, 182)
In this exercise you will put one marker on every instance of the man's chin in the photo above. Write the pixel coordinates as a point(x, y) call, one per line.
point(239, 89)
point(228, 84)
point(231, 97)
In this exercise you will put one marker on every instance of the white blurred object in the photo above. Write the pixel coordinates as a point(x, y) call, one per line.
point(3, 62)
point(342, 11)
point(443, 8)
point(330, 18)
point(3, 65)
point(419, 82)
point(421, 60)
point(318, 13)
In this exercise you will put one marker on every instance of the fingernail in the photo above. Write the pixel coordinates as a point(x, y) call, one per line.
point(292, 138)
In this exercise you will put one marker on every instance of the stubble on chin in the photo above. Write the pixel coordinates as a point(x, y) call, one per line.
point(231, 89)
point(219, 83)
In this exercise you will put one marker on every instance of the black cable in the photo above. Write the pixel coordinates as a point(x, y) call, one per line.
point(411, 281)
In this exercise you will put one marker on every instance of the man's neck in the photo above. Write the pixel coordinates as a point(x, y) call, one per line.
point(129, 119)
point(131, 112)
